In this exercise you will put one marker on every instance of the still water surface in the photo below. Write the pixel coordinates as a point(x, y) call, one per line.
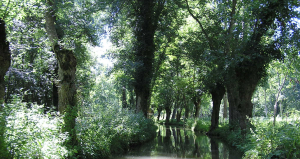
point(175, 143)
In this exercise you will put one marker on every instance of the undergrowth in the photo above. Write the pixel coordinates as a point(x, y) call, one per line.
point(263, 140)
point(29, 133)
point(112, 130)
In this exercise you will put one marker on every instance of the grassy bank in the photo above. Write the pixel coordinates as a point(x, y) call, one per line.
point(29, 133)
point(263, 140)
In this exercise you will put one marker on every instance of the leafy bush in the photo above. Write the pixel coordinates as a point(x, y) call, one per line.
point(29, 133)
point(282, 141)
point(190, 123)
point(202, 126)
point(112, 130)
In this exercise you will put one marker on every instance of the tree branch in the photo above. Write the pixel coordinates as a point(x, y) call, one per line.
point(201, 26)
point(232, 20)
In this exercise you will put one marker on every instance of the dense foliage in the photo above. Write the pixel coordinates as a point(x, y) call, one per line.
point(227, 68)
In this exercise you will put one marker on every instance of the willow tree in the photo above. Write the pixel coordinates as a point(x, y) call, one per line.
point(242, 38)
point(66, 74)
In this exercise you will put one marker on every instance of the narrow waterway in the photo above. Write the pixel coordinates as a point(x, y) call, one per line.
point(173, 142)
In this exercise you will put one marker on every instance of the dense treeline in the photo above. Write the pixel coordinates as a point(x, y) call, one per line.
point(180, 60)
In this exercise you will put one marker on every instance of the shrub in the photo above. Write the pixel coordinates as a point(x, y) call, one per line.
point(32, 134)
point(112, 130)
point(282, 141)
point(202, 126)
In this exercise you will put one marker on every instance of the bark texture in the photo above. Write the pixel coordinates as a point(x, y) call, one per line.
point(66, 77)
point(243, 77)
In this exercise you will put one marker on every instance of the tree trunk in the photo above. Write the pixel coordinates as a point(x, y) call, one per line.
point(186, 108)
point(158, 114)
point(179, 111)
point(240, 90)
point(67, 62)
point(266, 108)
point(174, 113)
point(67, 90)
point(217, 95)
point(142, 102)
point(197, 107)
point(124, 100)
point(168, 113)
point(147, 15)
point(276, 100)
point(5, 60)
point(55, 90)
point(225, 106)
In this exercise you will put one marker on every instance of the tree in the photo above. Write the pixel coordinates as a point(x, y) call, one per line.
point(238, 44)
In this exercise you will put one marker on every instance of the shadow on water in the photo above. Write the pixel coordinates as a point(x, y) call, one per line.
point(173, 142)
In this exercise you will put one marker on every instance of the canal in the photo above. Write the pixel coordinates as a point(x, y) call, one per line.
point(174, 142)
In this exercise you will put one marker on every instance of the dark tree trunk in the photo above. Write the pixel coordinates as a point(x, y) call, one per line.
point(55, 91)
point(243, 77)
point(144, 54)
point(67, 103)
point(5, 60)
point(147, 16)
point(168, 113)
point(158, 113)
point(124, 100)
point(197, 107)
point(217, 94)
point(174, 113)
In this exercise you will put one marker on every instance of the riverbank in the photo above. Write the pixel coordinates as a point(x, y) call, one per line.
point(264, 140)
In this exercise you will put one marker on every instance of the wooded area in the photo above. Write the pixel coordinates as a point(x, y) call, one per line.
point(233, 63)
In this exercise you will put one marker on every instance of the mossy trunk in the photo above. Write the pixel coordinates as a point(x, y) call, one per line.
point(5, 60)
point(67, 90)
point(217, 94)
point(67, 62)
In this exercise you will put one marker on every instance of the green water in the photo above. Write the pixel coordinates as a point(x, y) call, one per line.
point(172, 143)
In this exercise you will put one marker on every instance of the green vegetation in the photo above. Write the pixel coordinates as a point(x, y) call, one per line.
point(215, 66)
point(31, 133)
point(264, 140)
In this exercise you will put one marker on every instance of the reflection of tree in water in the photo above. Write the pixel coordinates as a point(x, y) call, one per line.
point(183, 143)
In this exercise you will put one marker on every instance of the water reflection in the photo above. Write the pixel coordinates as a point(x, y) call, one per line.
point(172, 142)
